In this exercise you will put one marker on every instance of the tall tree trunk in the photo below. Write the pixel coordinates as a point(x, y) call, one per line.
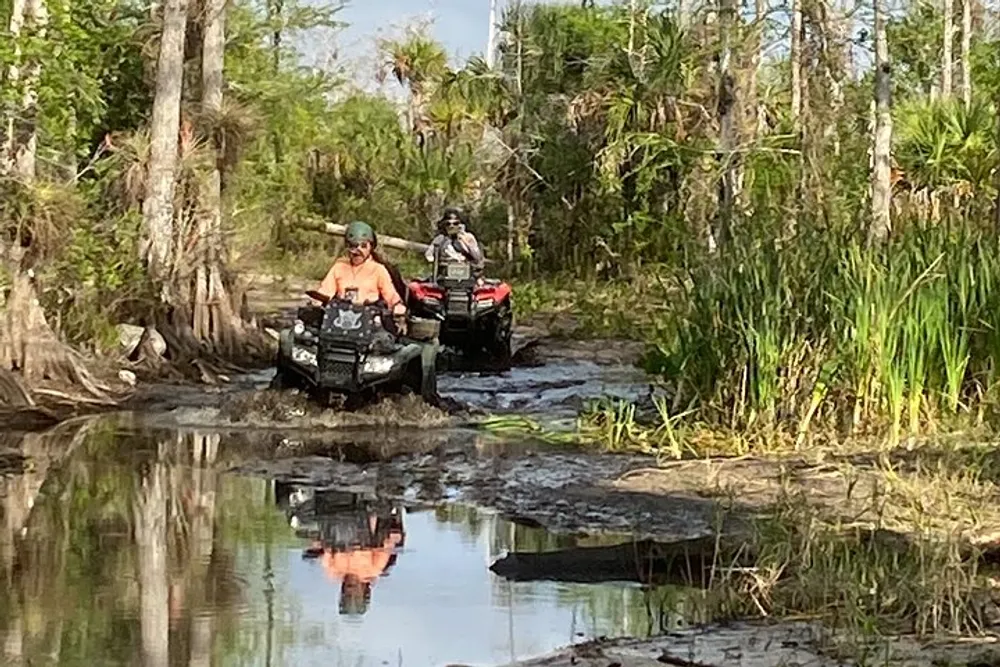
point(213, 318)
point(158, 205)
point(947, 51)
point(796, 64)
point(881, 224)
point(21, 140)
point(966, 52)
point(17, 12)
point(727, 109)
point(491, 44)
point(275, 14)
point(754, 107)
point(996, 173)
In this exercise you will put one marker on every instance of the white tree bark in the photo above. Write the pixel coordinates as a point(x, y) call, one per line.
point(491, 44)
point(728, 113)
point(796, 61)
point(882, 140)
point(947, 52)
point(753, 108)
point(20, 140)
point(158, 205)
point(966, 52)
point(13, 77)
point(26, 132)
point(213, 318)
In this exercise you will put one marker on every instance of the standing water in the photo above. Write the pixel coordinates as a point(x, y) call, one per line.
point(133, 547)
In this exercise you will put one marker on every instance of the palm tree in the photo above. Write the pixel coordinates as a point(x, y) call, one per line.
point(417, 63)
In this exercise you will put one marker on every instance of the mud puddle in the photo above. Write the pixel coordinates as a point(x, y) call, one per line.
point(146, 546)
point(558, 389)
point(554, 388)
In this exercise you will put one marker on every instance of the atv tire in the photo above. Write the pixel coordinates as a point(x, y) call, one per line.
point(421, 376)
point(282, 380)
point(499, 346)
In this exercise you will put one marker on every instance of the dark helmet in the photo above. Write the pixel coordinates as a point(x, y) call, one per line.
point(452, 213)
point(355, 596)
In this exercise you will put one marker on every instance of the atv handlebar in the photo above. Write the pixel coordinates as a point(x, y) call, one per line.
point(318, 296)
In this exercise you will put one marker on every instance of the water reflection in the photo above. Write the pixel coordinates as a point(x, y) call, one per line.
point(355, 545)
point(124, 547)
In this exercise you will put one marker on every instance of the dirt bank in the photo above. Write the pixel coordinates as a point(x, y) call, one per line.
point(771, 645)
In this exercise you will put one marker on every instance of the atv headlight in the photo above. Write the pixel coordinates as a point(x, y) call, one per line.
point(484, 303)
point(298, 328)
point(378, 365)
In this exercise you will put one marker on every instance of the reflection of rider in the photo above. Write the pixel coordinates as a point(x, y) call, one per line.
point(362, 276)
point(357, 548)
point(454, 242)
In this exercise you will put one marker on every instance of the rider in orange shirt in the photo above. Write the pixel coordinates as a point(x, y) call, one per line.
point(359, 554)
point(360, 277)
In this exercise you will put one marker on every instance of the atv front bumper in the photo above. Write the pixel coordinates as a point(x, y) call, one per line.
point(343, 371)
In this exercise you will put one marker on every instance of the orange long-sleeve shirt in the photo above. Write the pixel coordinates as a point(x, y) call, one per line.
point(369, 278)
point(365, 564)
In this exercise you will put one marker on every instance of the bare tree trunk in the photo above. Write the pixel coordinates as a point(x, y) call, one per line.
point(151, 541)
point(491, 44)
point(996, 173)
point(966, 52)
point(511, 231)
point(213, 319)
point(796, 64)
point(882, 143)
point(17, 12)
point(21, 140)
point(158, 205)
point(727, 123)
point(275, 14)
point(754, 107)
point(947, 55)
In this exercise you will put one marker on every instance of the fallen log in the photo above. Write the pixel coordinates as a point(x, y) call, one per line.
point(686, 563)
point(384, 241)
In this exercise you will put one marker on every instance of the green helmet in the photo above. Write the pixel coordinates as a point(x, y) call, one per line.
point(359, 232)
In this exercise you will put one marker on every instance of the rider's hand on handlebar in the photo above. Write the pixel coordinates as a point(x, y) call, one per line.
point(399, 309)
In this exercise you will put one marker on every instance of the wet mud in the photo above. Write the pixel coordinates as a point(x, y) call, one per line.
point(533, 483)
point(767, 645)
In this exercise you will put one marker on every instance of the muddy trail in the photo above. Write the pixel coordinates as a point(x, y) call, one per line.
point(552, 379)
point(233, 524)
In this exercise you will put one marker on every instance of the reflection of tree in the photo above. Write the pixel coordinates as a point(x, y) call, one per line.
point(22, 585)
point(144, 504)
point(151, 541)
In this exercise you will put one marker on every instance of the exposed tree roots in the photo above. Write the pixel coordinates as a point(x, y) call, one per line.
point(31, 355)
point(207, 343)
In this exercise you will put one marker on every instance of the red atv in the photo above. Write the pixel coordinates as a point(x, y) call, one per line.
point(476, 314)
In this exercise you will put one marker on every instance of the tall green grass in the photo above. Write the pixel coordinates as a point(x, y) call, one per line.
point(824, 330)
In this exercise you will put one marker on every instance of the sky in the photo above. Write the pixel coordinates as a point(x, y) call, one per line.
point(462, 26)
